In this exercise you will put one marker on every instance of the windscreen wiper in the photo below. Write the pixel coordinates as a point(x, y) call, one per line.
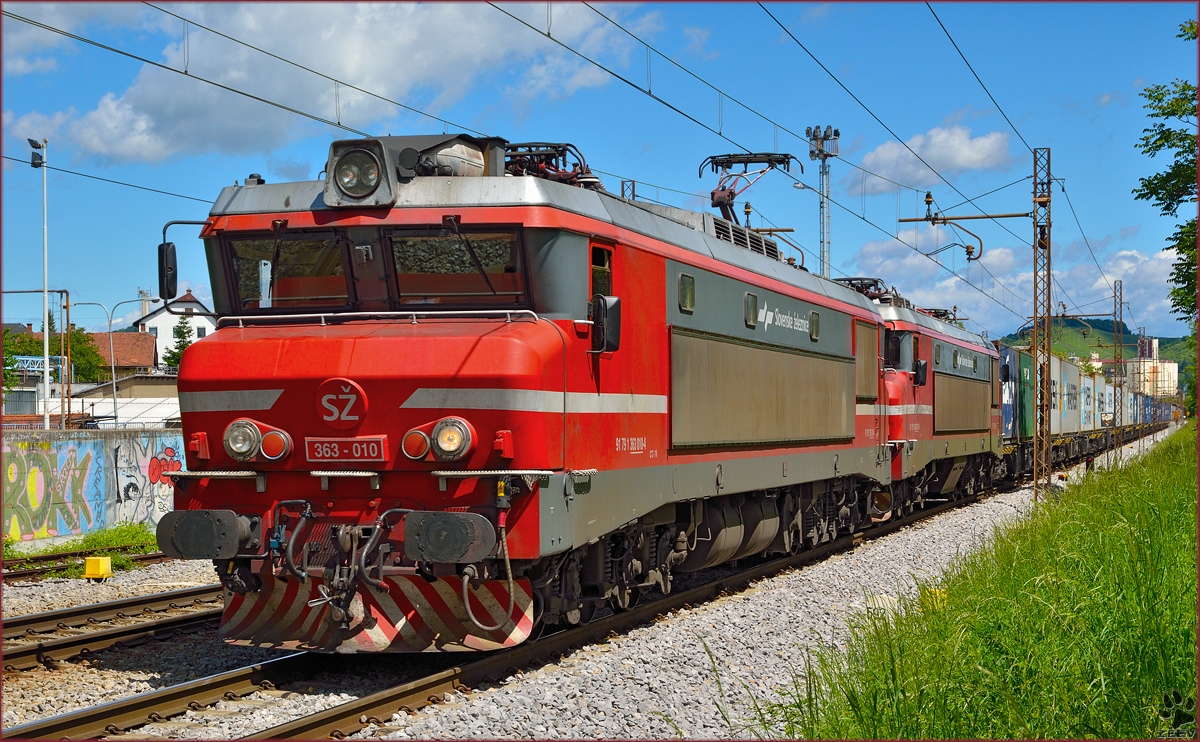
point(451, 220)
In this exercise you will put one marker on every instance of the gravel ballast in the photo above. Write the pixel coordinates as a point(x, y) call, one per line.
point(36, 596)
point(656, 681)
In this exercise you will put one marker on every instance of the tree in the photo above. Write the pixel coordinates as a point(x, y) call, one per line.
point(10, 362)
point(85, 357)
point(1175, 103)
point(183, 338)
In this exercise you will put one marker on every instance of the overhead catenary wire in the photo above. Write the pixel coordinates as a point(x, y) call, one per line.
point(337, 82)
point(708, 128)
point(977, 78)
point(192, 76)
point(1022, 138)
point(723, 95)
point(335, 124)
point(115, 182)
point(878, 120)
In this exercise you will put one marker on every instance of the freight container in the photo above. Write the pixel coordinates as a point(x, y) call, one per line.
point(1068, 397)
point(1087, 402)
point(1026, 416)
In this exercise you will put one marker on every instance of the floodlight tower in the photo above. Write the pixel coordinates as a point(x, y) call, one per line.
point(822, 146)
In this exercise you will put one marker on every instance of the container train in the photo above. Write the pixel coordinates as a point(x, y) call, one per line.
point(458, 392)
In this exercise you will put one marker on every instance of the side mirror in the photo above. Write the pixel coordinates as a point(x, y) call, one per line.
point(921, 372)
point(1004, 374)
point(606, 323)
point(168, 275)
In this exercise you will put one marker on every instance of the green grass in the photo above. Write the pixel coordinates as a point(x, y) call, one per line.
point(116, 542)
point(1071, 623)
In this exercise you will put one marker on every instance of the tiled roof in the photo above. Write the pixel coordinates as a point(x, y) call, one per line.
point(132, 349)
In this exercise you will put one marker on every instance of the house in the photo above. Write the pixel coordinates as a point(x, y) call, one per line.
point(161, 324)
point(133, 351)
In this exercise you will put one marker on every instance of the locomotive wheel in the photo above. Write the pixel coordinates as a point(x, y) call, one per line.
point(626, 597)
point(587, 611)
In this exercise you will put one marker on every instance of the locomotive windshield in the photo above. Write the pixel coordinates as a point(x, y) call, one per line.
point(288, 272)
point(468, 268)
point(370, 268)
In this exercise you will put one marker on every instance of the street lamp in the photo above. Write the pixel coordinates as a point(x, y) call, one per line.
point(38, 160)
point(112, 357)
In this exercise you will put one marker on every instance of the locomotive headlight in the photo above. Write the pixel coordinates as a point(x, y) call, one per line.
point(357, 173)
point(242, 440)
point(451, 439)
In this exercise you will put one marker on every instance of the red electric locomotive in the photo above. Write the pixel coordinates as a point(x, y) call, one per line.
point(458, 392)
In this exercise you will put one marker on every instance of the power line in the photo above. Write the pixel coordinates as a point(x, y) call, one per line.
point(1063, 187)
point(315, 72)
point(729, 97)
point(877, 119)
point(623, 79)
point(116, 182)
point(691, 118)
point(973, 72)
point(994, 190)
point(159, 65)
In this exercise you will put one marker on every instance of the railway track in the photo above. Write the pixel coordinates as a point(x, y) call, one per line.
point(44, 638)
point(46, 563)
point(339, 721)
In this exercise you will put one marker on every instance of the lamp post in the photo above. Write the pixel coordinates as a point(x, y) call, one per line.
point(38, 160)
point(112, 357)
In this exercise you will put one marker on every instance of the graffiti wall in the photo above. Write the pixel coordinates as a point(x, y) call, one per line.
point(66, 483)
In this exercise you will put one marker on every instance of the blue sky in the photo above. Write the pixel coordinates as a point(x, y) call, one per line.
point(1072, 87)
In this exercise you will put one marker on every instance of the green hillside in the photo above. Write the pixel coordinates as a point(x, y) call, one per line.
point(1071, 337)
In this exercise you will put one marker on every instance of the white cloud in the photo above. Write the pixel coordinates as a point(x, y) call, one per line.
point(816, 13)
point(428, 55)
point(34, 125)
point(950, 150)
point(698, 40)
point(116, 130)
point(28, 48)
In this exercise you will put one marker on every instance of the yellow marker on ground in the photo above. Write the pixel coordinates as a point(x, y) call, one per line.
point(97, 568)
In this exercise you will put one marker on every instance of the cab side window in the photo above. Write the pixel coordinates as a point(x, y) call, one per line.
point(601, 271)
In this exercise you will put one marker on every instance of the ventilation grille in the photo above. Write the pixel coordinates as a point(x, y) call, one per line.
point(745, 239)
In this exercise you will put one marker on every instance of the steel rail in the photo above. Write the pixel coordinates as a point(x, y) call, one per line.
point(53, 562)
point(38, 623)
point(128, 713)
point(145, 708)
point(340, 721)
point(27, 655)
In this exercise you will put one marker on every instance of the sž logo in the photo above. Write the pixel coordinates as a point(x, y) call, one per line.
point(341, 403)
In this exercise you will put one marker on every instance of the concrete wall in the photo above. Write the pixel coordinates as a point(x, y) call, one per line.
point(59, 484)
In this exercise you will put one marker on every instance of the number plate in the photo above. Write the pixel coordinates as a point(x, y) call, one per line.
point(347, 450)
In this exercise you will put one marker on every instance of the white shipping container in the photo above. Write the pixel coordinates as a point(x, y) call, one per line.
point(1087, 402)
point(1069, 397)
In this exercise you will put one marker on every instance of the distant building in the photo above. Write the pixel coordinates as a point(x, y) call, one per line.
point(1152, 377)
point(134, 351)
point(161, 324)
point(16, 328)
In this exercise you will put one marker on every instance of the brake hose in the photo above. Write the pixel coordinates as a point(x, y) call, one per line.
point(287, 552)
point(381, 526)
point(470, 570)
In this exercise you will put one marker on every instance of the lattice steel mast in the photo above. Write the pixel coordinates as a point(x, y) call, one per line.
point(1042, 311)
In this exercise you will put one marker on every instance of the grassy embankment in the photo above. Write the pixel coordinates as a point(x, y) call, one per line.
point(116, 542)
point(1071, 623)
